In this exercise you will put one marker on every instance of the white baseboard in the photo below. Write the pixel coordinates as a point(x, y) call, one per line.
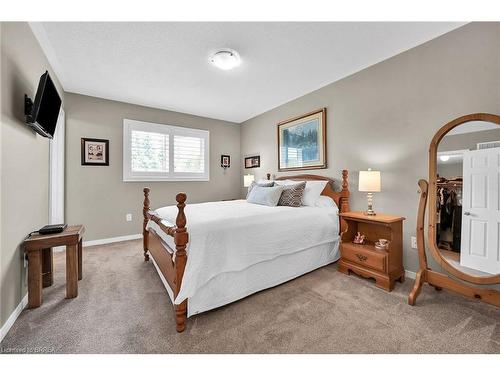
point(410, 274)
point(104, 241)
point(13, 317)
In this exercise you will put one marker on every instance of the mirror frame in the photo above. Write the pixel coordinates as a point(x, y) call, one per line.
point(482, 280)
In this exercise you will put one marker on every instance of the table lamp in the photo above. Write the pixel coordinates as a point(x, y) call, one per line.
point(369, 182)
point(248, 179)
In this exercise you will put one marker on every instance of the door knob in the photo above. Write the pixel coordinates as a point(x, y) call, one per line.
point(467, 213)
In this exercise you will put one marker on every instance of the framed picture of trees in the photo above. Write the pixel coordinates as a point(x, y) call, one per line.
point(302, 142)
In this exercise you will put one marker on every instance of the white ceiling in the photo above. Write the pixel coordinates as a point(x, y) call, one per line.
point(165, 65)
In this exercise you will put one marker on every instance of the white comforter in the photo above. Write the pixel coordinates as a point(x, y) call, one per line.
point(233, 235)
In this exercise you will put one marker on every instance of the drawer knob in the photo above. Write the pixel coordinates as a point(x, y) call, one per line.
point(361, 257)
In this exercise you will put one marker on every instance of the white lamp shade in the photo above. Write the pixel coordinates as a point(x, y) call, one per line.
point(248, 179)
point(369, 181)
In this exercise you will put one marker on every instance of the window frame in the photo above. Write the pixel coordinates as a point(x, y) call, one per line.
point(172, 131)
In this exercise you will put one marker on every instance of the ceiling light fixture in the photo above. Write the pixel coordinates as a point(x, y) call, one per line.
point(225, 59)
point(444, 157)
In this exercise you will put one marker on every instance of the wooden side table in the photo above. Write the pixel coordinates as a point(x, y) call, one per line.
point(385, 266)
point(40, 262)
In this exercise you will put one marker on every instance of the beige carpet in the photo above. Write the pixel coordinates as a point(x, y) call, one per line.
point(122, 307)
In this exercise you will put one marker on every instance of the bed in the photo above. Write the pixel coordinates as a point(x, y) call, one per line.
point(235, 248)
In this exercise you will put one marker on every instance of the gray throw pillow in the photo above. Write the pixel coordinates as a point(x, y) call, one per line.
point(262, 184)
point(292, 195)
point(267, 196)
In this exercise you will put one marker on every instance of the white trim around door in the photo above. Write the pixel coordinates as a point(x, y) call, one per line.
point(56, 168)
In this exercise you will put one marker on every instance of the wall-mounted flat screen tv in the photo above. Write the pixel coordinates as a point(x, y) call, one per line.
point(42, 114)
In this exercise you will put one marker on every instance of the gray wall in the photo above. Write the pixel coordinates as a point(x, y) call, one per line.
point(24, 158)
point(385, 116)
point(97, 196)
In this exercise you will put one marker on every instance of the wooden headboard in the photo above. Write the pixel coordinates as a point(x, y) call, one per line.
point(341, 197)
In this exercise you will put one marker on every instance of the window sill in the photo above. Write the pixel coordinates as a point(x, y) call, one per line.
point(148, 179)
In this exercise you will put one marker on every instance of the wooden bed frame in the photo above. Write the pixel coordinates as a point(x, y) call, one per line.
point(172, 268)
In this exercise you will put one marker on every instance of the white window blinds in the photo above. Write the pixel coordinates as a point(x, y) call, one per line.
point(189, 154)
point(155, 152)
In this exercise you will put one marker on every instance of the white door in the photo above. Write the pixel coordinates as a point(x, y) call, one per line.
point(56, 189)
point(481, 211)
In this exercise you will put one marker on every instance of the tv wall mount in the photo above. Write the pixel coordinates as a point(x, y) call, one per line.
point(28, 109)
point(30, 118)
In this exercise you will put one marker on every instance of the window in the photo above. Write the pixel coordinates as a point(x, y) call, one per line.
point(156, 152)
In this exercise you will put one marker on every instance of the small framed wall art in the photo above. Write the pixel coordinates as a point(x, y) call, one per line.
point(252, 161)
point(95, 151)
point(225, 161)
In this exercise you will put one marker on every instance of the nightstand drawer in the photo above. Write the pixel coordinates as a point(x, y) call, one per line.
point(364, 256)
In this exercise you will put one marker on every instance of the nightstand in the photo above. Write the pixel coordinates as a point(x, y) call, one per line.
point(385, 266)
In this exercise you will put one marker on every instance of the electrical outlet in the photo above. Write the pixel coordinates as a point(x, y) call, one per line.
point(128, 217)
point(413, 242)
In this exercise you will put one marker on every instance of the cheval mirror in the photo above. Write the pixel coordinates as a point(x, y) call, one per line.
point(464, 209)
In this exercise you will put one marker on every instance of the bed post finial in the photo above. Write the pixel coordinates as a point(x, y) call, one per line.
point(181, 239)
point(145, 210)
point(180, 222)
point(344, 199)
point(268, 176)
point(345, 181)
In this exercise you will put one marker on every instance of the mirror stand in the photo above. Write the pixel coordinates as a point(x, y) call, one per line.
point(436, 279)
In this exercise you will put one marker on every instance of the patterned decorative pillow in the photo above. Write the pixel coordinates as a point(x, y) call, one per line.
point(261, 184)
point(292, 195)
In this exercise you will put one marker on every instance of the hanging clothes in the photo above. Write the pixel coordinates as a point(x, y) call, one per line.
point(447, 201)
point(449, 213)
point(457, 228)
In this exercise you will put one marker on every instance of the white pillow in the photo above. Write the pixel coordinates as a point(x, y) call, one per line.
point(267, 196)
point(287, 182)
point(324, 201)
point(312, 192)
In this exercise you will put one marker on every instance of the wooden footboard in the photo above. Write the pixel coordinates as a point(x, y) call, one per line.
point(171, 266)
